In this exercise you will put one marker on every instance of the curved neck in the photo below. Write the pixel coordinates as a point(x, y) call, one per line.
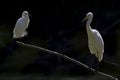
point(89, 21)
point(88, 27)
point(25, 16)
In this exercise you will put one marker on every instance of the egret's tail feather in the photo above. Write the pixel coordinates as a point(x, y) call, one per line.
point(100, 57)
point(24, 34)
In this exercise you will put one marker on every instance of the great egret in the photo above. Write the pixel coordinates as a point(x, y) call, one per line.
point(21, 26)
point(95, 41)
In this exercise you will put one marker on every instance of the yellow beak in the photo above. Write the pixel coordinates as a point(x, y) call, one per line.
point(85, 19)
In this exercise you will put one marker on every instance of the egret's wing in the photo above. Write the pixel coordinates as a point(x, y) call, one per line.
point(18, 23)
point(91, 49)
point(99, 45)
point(99, 41)
point(19, 29)
point(24, 34)
point(91, 43)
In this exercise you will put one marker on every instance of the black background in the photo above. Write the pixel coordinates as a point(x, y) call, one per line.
point(57, 25)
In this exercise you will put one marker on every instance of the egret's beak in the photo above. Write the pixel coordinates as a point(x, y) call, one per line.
point(85, 19)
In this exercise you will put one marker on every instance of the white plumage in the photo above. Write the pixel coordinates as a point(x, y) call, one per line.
point(21, 25)
point(95, 41)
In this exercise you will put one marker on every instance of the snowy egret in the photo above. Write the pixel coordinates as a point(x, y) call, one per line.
point(95, 41)
point(21, 26)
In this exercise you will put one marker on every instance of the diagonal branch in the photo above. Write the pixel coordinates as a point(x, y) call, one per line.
point(68, 58)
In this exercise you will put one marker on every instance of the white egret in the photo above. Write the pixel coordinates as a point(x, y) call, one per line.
point(21, 26)
point(95, 41)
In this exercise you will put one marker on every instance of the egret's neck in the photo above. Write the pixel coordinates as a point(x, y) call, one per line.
point(88, 27)
point(89, 21)
point(25, 16)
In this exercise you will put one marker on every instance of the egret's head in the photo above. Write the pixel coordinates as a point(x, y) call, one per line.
point(89, 16)
point(25, 13)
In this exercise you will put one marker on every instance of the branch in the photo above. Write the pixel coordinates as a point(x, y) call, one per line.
point(68, 58)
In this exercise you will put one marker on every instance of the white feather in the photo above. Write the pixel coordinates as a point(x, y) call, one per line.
point(95, 41)
point(21, 26)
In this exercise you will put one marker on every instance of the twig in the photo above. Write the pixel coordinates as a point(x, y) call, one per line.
point(112, 63)
point(68, 58)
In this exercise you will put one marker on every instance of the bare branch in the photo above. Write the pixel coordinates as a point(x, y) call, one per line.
point(68, 58)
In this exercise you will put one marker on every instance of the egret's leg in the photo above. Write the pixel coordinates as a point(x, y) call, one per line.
point(20, 39)
point(97, 63)
point(91, 66)
point(59, 61)
point(97, 66)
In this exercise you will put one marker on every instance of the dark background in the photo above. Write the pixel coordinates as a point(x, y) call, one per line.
point(57, 25)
